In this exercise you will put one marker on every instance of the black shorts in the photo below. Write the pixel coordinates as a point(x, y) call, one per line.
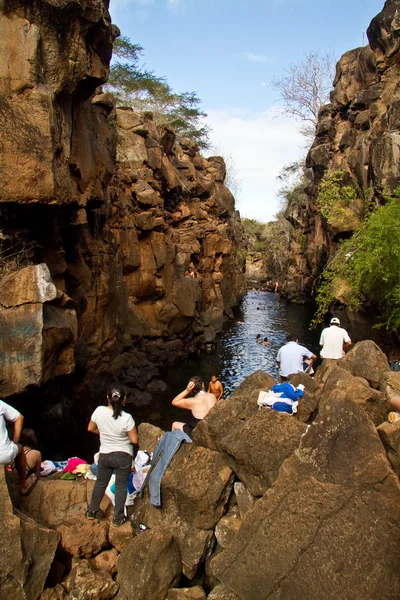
point(190, 425)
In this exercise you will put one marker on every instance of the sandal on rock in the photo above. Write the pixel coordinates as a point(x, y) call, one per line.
point(29, 490)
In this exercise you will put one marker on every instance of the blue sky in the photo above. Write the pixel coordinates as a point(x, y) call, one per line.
point(228, 51)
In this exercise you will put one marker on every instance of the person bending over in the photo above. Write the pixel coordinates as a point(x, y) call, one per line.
point(33, 457)
point(215, 387)
point(200, 405)
point(11, 450)
point(117, 434)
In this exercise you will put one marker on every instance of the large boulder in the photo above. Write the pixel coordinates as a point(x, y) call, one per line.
point(149, 566)
point(83, 537)
point(366, 360)
point(222, 592)
point(340, 383)
point(39, 329)
point(194, 491)
point(26, 553)
point(390, 385)
point(254, 442)
point(390, 437)
point(327, 528)
point(86, 583)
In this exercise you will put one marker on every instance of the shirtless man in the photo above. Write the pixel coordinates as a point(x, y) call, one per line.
point(215, 387)
point(200, 405)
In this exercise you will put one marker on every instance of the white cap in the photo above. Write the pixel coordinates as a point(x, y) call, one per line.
point(335, 321)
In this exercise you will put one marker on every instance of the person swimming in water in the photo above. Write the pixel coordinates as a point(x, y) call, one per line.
point(199, 406)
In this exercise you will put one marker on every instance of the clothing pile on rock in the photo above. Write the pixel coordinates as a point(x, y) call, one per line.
point(283, 397)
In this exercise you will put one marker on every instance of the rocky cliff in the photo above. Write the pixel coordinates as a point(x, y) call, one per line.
point(357, 134)
point(102, 213)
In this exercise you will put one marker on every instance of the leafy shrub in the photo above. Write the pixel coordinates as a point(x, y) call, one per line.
point(366, 268)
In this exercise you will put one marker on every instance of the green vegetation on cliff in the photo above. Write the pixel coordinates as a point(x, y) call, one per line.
point(366, 268)
point(135, 86)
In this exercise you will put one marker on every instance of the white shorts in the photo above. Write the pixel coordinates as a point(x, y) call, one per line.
point(8, 455)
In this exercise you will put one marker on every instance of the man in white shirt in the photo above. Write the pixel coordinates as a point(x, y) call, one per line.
point(334, 340)
point(10, 450)
point(291, 357)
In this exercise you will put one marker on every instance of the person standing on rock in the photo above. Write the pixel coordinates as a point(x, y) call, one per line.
point(117, 434)
point(291, 357)
point(215, 387)
point(334, 340)
point(11, 450)
point(200, 405)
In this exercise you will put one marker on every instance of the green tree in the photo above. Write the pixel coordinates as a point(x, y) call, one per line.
point(134, 85)
point(366, 268)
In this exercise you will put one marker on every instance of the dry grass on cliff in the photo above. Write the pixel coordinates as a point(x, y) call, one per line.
point(15, 256)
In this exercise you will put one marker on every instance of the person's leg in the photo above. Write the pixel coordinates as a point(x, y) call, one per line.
point(177, 425)
point(123, 466)
point(104, 472)
point(20, 464)
point(395, 402)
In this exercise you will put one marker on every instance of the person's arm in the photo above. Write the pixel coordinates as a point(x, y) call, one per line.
point(92, 427)
point(321, 339)
point(209, 388)
point(18, 426)
point(221, 391)
point(181, 400)
point(346, 341)
point(133, 436)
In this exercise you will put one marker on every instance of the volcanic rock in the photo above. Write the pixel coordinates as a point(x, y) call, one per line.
point(343, 502)
point(149, 566)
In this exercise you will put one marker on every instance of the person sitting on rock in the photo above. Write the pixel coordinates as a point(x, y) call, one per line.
point(334, 340)
point(291, 357)
point(11, 450)
point(29, 442)
point(215, 387)
point(200, 405)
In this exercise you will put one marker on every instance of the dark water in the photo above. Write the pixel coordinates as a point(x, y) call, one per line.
point(62, 429)
point(236, 354)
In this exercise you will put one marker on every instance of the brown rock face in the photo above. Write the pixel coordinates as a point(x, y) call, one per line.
point(194, 491)
point(254, 442)
point(149, 566)
point(341, 495)
point(26, 553)
point(39, 330)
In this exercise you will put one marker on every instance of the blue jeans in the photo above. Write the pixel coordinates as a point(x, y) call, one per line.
point(119, 463)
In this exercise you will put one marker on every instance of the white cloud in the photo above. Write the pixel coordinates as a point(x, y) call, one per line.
point(263, 84)
point(263, 58)
point(260, 144)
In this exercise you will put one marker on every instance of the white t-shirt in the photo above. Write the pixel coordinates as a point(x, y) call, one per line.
point(7, 447)
point(113, 432)
point(290, 357)
point(332, 340)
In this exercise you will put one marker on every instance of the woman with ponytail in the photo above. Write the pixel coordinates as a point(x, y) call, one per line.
point(117, 434)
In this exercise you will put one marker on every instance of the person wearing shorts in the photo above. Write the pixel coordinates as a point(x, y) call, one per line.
point(11, 450)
